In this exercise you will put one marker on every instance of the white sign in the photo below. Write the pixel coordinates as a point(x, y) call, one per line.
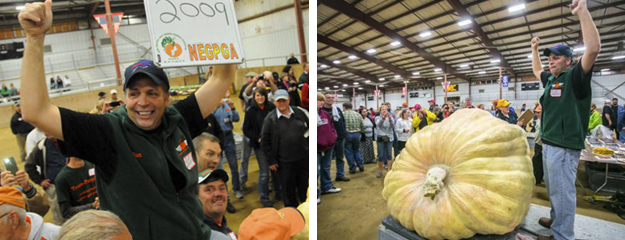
point(192, 32)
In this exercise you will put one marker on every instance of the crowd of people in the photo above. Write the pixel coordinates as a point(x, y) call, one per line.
point(153, 168)
point(563, 117)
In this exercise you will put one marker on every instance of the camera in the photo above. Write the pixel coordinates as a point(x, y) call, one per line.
point(114, 104)
point(261, 76)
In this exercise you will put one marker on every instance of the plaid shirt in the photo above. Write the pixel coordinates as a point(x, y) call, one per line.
point(353, 121)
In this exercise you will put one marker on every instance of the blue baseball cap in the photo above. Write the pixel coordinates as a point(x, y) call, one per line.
point(559, 49)
point(148, 68)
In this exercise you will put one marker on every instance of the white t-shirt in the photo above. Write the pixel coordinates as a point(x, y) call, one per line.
point(32, 139)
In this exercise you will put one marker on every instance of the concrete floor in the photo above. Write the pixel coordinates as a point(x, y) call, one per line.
point(357, 211)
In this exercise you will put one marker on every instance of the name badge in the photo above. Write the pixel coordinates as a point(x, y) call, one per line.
point(556, 93)
point(91, 172)
point(188, 161)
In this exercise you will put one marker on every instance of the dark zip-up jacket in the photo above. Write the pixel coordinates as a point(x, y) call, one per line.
point(253, 123)
point(149, 178)
point(270, 142)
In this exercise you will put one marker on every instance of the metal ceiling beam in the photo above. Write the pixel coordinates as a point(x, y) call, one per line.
point(387, 21)
point(350, 22)
point(478, 29)
point(367, 57)
point(363, 17)
point(335, 15)
point(350, 70)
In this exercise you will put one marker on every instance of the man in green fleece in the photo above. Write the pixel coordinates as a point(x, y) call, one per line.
point(564, 120)
point(145, 160)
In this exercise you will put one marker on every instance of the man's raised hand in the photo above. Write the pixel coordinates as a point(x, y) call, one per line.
point(36, 18)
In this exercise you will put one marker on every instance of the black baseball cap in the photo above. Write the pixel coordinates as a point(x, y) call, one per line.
point(210, 174)
point(559, 49)
point(148, 68)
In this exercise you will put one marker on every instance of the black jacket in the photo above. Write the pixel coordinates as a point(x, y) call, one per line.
point(253, 123)
point(271, 139)
point(213, 127)
point(19, 126)
point(339, 125)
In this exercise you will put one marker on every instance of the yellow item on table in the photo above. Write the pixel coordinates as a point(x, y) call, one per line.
point(603, 151)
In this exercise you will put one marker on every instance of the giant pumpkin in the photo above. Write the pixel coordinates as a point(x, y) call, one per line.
point(470, 174)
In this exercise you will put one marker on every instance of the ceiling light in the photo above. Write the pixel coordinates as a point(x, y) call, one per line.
point(605, 69)
point(345, 85)
point(382, 79)
point(465, 22)
point(397, 76)
point(368, 81)
point(359, 88)
point(352, 57)
point(425, 34)
point(324, 66)
point(415, 73)
point(395, 43)
point(495, 61)
point(580, 49)
point(327, 88)
point(20, 7)
point(482, 72)
point(381, 85)
point(516, 8)
point(336, 62)
point(437, 69)
point(342, 90)
point(529, 56)
point(319, 89)
point(356, 83)
point(618, 57)
point(336, 86)
point(371, 50)
point(464, 65)
point(439, 78)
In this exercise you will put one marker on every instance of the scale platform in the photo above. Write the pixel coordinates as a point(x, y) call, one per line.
point(585, 228)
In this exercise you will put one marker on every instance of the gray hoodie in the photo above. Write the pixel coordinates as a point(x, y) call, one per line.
point(40, 230)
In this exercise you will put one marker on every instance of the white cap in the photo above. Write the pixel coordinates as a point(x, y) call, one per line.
point(608, 101)
point(113, 91)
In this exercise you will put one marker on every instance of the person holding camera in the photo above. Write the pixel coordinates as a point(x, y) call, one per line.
point(385, 126)
point(402, 128)
point(422, 118)
point(226, 114)
point(261, 81)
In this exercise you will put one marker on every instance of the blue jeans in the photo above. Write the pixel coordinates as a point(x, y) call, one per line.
point(338, 152)
point(245, 159)
point(263, 174)
point(384, 151)
point(352, 151)
point(230, 153)
point(324, 161)
point(560, 166)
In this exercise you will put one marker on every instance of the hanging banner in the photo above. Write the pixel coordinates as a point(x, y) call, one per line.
point(117, 20)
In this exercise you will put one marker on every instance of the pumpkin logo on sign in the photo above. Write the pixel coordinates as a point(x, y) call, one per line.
point(172, 45)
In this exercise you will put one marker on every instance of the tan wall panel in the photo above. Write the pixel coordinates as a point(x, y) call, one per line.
point(82, 102)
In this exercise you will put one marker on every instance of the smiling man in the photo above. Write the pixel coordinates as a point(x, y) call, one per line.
point(284, 139)
point(565, 103)
point(213, 195)
point(145, 160)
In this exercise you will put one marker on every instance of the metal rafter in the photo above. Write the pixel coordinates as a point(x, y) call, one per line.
point(464, 13)
point(363, 17)
point(367, 57)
